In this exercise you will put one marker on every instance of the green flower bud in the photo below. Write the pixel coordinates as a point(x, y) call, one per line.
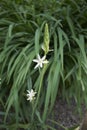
point(45, 46)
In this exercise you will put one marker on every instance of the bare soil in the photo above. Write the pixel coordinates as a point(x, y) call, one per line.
point(66, 114)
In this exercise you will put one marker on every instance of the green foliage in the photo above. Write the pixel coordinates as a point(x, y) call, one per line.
point(22, 34)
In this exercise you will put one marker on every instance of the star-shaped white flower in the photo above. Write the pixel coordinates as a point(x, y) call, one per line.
point(31, 95)
point(40, 61)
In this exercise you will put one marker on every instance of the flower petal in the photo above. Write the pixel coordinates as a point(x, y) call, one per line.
point(43, 47)
point(35, 60)
point(36, 66)
point(41, 65)
point(38, 56)
point(43, 58)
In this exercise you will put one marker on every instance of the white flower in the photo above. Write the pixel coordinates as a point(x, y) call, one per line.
point(40, 61)
point(31, 95)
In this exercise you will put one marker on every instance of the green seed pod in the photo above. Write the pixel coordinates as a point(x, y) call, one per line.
point(45, 46)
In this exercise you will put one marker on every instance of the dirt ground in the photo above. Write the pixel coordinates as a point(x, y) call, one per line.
point(67, 115)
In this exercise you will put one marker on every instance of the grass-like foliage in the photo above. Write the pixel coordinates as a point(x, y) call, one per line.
point(55, 28)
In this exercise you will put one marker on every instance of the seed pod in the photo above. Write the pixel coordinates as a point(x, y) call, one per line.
point(45, 46)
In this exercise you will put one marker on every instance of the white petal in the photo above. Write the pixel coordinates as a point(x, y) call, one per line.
point(28, 95)
point(37, 66)
point(32, 90)
point(28, 91)
point(28, 98)
point(41, 65)
point(43, 47)
point(35, 60)
point(43, 58)
point(38, 56)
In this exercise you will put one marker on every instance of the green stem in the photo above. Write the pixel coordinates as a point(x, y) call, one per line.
point(40, 86)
